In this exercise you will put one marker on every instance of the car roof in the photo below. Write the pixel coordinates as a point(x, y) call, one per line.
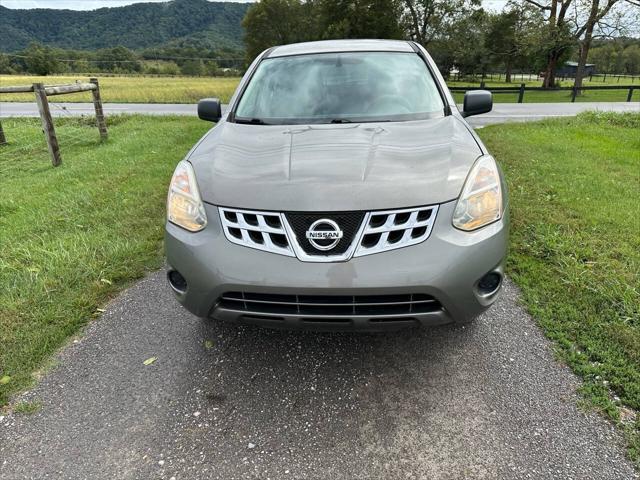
point(330, 46)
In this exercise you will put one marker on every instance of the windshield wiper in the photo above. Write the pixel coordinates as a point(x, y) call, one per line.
point(340, 120)
point(368, 120)
point(251, 121)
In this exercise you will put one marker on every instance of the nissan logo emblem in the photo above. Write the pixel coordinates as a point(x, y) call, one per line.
point(324, 234)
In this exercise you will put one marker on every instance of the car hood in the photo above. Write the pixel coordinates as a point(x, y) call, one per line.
point(337, 167)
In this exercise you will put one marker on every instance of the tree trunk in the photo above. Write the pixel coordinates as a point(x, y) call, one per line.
point(415, 22)
point(549, 80)
point(582, 61)
point(507, 72)
point(585, 45)
point(552, 61)
point(595, 16)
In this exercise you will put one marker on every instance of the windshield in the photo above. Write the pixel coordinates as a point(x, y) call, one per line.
point(340, 87)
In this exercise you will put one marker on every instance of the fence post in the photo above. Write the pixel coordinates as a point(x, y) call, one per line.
point(574, 92)
point(47, 123)
point(521, 93)
point(97, 104)
point(629, 95)
point(3, 139)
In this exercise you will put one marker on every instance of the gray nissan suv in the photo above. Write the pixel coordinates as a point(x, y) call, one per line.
point(341, 189)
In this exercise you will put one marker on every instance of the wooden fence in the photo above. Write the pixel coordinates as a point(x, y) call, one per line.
point(42, 92)
point(522, 76)
point(523, 88)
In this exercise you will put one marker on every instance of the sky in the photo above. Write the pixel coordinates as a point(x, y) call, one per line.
point(93, 4)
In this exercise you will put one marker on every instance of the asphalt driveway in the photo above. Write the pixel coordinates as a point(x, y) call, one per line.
point(485, 401)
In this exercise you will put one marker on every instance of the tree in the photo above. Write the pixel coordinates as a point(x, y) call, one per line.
point(598, 9)
point(572, 22)
point(5, 64)
point(557, 37)
point(278, 22)
point(40, 59)
point(81, 65)
point(211, 68)
point(360, 18)
point(502, 41)
point(194, 68)
point(426, 20)
point(512, 37)
point(631, 59)
point(604, 56)
point(467, 43)
point(118, 59)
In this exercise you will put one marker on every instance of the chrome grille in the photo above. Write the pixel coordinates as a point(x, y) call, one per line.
point(366, 233)
point(259, 230)
point(393, 229)
point(329, 305)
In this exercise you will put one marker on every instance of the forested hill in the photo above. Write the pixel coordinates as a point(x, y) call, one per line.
point(209, 24)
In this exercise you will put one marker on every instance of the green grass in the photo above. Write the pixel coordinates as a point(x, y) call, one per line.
point(72, 236)
point(27, 408)
point(575, 246)
point(129, 89)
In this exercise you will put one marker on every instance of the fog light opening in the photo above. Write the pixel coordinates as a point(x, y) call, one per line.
point(177, 281)
point(490, 283)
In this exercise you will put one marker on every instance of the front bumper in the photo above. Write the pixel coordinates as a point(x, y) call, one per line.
point(447, 266)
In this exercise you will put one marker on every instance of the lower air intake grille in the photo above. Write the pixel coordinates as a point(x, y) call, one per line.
point(330, 305)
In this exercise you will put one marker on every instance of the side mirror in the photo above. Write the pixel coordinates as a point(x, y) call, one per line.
point(477, 102)
point(209, 109)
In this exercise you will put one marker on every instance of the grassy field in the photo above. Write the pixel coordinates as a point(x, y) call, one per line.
point(192, 89)
point(72, 236)
point(131, 89)
point(575, 249)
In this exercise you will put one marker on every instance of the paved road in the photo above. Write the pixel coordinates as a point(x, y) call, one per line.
point(24, 109)
point(502, 112)
point(485, 401)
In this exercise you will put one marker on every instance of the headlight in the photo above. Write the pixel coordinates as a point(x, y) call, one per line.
point(481, 200)
point(184, 206)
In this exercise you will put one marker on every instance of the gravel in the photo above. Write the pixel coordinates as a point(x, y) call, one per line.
point(487, 400)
